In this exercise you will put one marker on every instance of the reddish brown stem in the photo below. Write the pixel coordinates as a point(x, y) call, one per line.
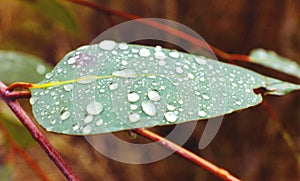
point(18, 85)
point(223, 174)
point(37, 135)
point(165, 28)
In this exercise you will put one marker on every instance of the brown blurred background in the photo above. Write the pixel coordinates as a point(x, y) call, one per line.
point(248, 144)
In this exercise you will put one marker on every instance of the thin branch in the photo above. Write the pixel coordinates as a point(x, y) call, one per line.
point(37, 135)
point(223, 174)
point(195, 41)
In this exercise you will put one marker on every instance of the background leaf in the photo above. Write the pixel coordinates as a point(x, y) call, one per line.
point(54, 11)
point(275, 61)
point(110, 87)
point(17, 66)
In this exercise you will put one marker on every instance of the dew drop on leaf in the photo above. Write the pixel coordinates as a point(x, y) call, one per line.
point(149, 108)
point(133, 97)
point(154, 95)
point(171, 116)
point(107, 45)
point(94, 108)
point(65, 115)
point(134, 117)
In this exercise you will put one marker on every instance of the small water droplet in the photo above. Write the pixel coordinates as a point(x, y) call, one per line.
point(205, 97)
point(238, 102)
point(124, 62)
point(179, 70)
point(144, 52)
point(201, 61)
point(113, 86)
point(71, 60)
point(53, 121)
point(65, 115)
point(162, 63)
point(99, 122)
point(41, 69)
point(133, 97)
point(171, 116)
point(157, 48)
point(87, 129)
point(133, 106)
point(33, 100)
point(107, 44)
point(149, 108)
point(134, 117)
point(123, 46)
point(75, 127)
point(48, 75)
point(94, 108)
point(125, 73)
point(159, 55)
point(202, 113)
point(88, 118)
point(154, 96)
point(68, 87)
point(191, 76)
point(174, 54)
point(171, 107)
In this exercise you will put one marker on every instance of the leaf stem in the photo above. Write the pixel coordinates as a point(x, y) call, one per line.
point(223, 174)
point(38, 135)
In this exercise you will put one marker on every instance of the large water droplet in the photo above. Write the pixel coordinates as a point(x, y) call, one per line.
point(171, 116)
point(88, 118)
point(125, 73)
point(160, 55)
point(68, 87)
point(65, 115)
point(33, 100)
point(202, 113)
point(107, 45)
point(144, 52)
point(154, 96)
point(94, 108)
point(71, 60)
point(149, 108)
point(134, 117)
point(133, 97)
point(174, 54)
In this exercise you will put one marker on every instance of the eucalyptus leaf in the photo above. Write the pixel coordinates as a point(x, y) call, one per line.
point(273, 60)
point(21, 67)
point(113, 86)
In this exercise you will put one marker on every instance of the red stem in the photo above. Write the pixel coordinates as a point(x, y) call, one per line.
point(37, 135)
point(195, 41)
point(223, 174)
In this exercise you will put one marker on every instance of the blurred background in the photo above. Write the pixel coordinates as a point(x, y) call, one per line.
point(248, 144)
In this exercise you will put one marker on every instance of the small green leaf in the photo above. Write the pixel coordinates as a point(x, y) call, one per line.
point(17, 66)
point(55, 11)
point(116, 86)
point(275, 61)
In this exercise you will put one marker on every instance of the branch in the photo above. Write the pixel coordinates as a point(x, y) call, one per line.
point(37, 135)
point(177, 33)
point(223, 174)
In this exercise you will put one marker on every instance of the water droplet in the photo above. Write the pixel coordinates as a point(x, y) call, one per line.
point(107, 45)
point(157, 48)
point(124, 62)
point(123, 46)
point(75, 127)
point(113, 86)
point(48, 75)
point(133, 97)
point(154, 96)
point(202, 113)
point(149, 108)
point(144, 52)
point(205, 97)
point(134, 117)
point(201, 61)
point(191, 76)
point(238, 102)
point(68, 87)
point(171, 116)
point(65, 115)
point(160, 55)
point(99, 122)
point(87, 129)
point(133, 106)
point(71, 60)
point(94, 108)
point(86, 79)
point(174, 54)
point(33, 100)
point(88, 118)
point(125, 73)
point(162, 63)
point(41, 69)
point(179, 70)
point(171, 107)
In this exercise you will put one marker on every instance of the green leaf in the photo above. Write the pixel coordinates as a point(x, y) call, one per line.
point(275, 61)
point(55, 11)
point(13, 126)
point(17, 66)
point(116, 86)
